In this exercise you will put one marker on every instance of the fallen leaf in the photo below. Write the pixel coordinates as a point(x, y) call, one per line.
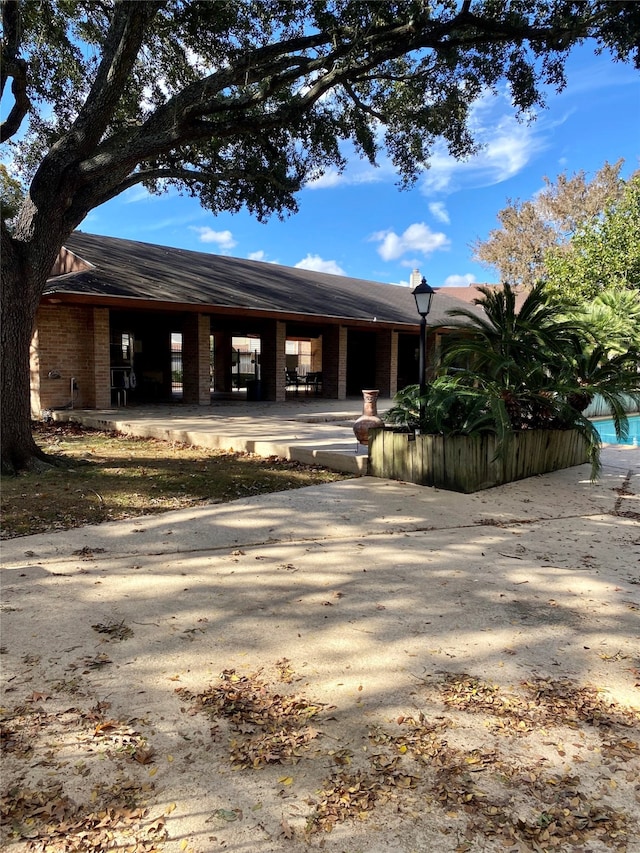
point(143, 756)
point(38, 697)
point(287, 829)
point(106, 726)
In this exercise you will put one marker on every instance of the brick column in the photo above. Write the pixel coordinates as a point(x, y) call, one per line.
point(316, 354)
point(387, 362)
point(100, 393)
point(334, 362)
point(222, 362)
point(195, 359)
point(273, 361)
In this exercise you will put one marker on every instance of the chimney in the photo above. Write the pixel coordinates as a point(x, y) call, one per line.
point(414, 279)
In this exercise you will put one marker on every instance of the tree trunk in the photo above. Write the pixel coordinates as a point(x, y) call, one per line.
point(20, 297)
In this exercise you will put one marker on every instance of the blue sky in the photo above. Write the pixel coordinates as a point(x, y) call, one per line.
point(360, 224)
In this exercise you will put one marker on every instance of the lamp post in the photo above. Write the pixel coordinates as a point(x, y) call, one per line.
point(423, 294)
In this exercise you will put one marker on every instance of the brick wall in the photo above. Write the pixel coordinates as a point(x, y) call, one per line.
point(71, 342)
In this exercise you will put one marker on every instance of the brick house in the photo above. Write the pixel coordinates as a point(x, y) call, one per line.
point(125, 322)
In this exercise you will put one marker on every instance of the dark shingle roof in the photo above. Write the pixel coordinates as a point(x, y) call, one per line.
point(129, 269)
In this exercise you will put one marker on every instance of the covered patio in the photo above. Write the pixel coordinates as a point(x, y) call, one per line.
point(125, 323)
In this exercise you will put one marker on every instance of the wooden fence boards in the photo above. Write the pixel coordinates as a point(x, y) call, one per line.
point(469, 463)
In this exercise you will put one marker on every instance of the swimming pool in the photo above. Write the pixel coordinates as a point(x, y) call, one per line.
point(608, 433)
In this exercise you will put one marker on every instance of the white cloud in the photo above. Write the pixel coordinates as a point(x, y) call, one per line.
point(317, 264)
point(357, 172)
point(459, 280)
point(331, 178)
point(261, 255)
point(507, 144)
point(592, 77)
point(136, 194)
point(507, 147)
point(169, 222)
point(503, 156)
point(139, 193)
point(439, 211)
point(223, 239)
point(416, 238)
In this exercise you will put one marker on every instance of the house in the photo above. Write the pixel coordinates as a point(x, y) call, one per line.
point(124, 322)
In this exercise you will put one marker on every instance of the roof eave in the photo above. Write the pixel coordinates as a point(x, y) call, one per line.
point(131, 302)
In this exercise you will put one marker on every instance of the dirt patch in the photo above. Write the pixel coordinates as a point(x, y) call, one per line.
point(106, 476)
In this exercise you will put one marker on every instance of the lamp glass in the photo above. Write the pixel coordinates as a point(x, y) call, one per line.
point(423, 294)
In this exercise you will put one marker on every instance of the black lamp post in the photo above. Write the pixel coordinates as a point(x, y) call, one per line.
point(423, 294)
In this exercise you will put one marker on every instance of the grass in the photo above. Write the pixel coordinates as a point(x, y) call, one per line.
point(107, 476)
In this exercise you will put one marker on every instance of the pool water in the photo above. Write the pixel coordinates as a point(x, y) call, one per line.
point(608, 433)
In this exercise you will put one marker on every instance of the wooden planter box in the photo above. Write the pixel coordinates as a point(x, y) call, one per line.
point(466, 463)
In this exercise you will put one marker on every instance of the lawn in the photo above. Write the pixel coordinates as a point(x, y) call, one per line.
point(106, 476)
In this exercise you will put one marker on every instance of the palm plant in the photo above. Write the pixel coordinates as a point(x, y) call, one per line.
point(450, 409)
point(518, 350)
point(612, 319)
point(530, 368)
point(594, 370)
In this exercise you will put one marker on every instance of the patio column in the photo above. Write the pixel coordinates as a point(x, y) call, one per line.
point(273, 360)
point(334, 362)
point(101, 359)
point(387, 362)
point(223, 362)
point(196, 380)
point(316, 354)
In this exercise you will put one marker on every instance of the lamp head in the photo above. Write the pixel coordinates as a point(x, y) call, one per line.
point(423, 294)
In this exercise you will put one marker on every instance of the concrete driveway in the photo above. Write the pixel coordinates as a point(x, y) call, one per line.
point(467, 664)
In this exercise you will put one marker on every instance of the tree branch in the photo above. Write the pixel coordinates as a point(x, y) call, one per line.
point(187, 176)
point(158, 174)
point(235, 99)
point(21, 102)
point(12, 66)
point(124, 40)
point(360, 103)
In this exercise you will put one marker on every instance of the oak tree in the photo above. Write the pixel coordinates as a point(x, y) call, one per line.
point(530, 230)
point(240, 102)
